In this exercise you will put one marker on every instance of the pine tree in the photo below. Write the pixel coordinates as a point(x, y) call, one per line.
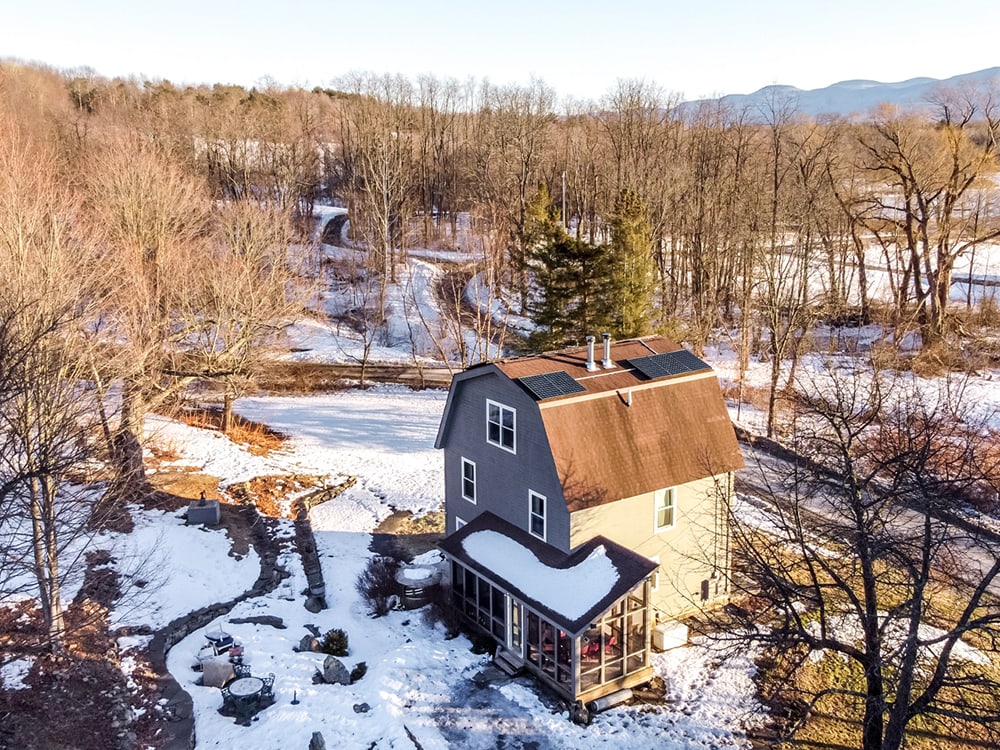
point(573, 279)
point(633, 272)
point(541, 222)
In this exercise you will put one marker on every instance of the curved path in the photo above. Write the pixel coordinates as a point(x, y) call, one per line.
point(179, 707)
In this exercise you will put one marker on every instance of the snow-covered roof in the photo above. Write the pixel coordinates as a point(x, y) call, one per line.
point(571, 589)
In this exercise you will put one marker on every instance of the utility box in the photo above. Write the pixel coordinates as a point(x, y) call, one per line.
point(205, 512)
point(668, 635)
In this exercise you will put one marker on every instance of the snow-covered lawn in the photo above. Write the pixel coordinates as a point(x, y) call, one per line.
point(418, 683)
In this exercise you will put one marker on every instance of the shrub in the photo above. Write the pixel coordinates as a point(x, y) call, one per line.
point(359, 671)
point(483, 644)
point(377, 585)
point(334, 643)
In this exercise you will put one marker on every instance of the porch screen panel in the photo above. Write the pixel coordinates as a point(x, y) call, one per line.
point(548, 649)
point(534, 650)
point(635, 640)
point(499, 615)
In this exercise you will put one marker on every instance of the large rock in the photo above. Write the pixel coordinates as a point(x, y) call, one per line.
point(308, 643)
point(317, 742)
point(216, 672)
point(334, 672)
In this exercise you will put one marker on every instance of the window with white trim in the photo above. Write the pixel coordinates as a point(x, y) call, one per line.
point(536, 514)
point(459, 523)
point(664, 501)
point(469, 480)
point(500, 426)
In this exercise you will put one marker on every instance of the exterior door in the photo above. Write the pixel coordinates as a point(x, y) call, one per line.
point(515, 641)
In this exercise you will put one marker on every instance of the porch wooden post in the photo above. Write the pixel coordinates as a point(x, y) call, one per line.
point(647, 622)
point(575, 665)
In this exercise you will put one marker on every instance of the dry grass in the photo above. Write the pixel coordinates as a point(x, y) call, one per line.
point(259, 438)
point(404, 523)
point(788, 684)
point(271, 494)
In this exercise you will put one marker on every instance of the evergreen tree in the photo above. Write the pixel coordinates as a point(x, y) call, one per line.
point(572, 279)
point(541, 222)
point(573, 283)
point(633, 272)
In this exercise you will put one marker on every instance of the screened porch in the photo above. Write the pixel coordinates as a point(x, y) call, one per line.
point(601, 645)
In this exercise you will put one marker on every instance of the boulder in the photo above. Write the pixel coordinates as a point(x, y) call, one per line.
point(334, 672)
point(308, 643)
point(216, 672)
point(317, 742)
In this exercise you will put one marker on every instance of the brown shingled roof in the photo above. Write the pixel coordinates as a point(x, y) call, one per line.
point(674, 432)
point(676, 429)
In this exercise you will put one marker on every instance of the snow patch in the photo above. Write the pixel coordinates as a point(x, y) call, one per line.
point(569, 591)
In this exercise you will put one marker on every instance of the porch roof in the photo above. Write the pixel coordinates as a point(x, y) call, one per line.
point(572, 590)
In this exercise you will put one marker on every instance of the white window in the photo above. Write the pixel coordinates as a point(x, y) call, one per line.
point(654, 577)
point(536, 514)
point(500, 425)
point(665, 510)
point(459, 523)
point(468, 480)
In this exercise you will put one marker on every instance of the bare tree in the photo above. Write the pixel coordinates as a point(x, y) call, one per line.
point(857, 560)
point(512, 138)
point(152, 219)
point(242, 290)
point(933, 179)
point(47, 414)
point(377, 132)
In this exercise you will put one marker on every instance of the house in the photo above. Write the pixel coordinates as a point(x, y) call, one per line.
point(586, 502)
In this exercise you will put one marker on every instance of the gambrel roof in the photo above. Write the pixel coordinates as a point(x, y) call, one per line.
point(654, 418)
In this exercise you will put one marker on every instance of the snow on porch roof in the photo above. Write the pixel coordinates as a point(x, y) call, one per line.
point(571, 589)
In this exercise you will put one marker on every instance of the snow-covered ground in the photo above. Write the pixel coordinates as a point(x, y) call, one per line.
point(419, 686)
point(418, 683)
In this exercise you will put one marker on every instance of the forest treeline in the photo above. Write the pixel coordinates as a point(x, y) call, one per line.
point(630, 214)
point(754, 215)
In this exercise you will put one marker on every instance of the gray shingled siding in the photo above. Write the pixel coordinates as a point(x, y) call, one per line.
point(502, 478)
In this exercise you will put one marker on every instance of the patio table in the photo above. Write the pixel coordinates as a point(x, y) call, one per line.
point(246, 687)
point(246, 693)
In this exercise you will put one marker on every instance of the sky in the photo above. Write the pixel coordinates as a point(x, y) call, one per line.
point(696, 48)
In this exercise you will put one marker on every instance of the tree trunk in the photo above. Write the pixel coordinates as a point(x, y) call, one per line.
point(46, 551)
point(227, 411)
point(127, 444)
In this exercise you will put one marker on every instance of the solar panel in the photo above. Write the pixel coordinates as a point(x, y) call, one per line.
point(551, 385)
point(665, 365)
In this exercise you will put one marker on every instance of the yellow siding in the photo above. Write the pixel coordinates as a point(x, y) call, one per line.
point(695, 548)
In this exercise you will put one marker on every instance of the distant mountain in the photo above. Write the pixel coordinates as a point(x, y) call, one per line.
point(854, 97)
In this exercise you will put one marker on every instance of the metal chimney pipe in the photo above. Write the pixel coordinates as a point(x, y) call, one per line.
point(606, 363)
point(591, 364)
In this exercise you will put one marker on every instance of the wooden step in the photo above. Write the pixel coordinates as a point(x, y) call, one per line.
point(508, 662)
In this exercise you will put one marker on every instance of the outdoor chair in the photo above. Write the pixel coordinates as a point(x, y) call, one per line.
point(242, 670)
point(222, 644)
point(268, 690)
